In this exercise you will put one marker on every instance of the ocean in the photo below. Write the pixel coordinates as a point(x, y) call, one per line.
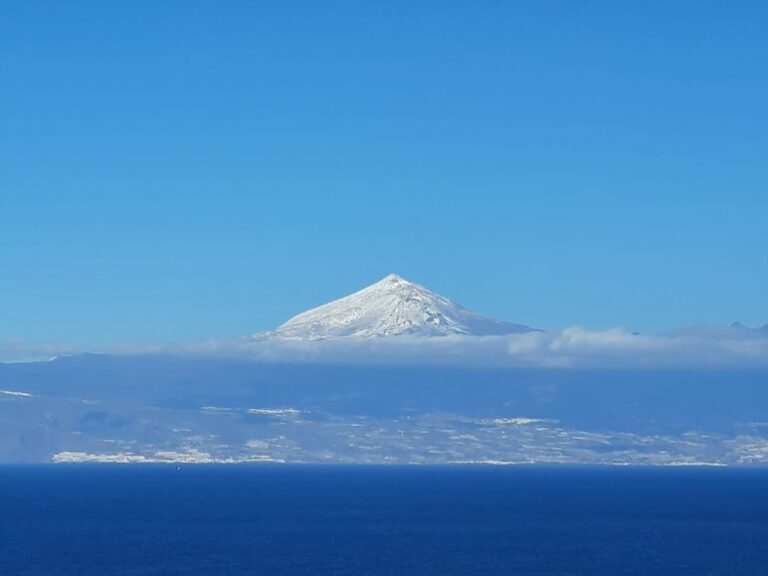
point(285, 520)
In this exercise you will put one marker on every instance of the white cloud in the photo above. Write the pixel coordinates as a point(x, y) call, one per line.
point(577, 339)
point(15, 351)
point(573, 347)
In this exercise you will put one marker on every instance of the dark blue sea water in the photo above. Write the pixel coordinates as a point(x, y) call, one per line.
point(105, 520)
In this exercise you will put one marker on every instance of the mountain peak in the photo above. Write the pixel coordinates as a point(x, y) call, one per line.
point(392, 306)
point(393, 279)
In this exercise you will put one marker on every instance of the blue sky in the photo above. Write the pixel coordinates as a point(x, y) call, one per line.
point(184, 170)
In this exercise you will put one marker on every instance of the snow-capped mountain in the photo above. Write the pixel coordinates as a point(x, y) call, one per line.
point(391, 307)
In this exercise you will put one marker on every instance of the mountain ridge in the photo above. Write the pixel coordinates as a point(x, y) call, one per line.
point(393, 306)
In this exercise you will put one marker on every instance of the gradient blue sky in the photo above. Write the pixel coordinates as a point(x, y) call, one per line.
point(183, 170)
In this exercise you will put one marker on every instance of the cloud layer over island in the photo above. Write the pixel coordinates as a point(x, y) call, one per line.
point(573, 347)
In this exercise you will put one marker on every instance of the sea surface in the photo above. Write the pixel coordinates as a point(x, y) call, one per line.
point(284, 520)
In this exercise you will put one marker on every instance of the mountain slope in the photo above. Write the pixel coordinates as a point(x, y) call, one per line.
point(391, 307)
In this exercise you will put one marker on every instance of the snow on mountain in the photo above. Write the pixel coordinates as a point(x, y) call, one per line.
point(391, 307)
